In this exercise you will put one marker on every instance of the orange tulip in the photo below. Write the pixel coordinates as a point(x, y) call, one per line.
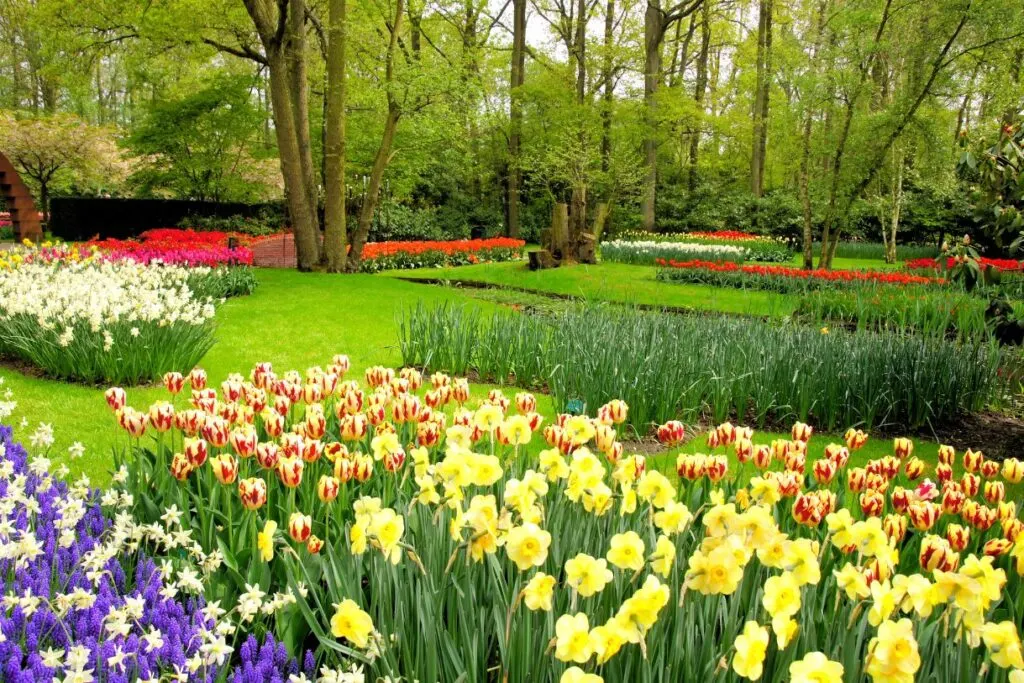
point(289, 471)
point(225, 468)
point(671, 433)
point(196, 451)
point(314, 545)
point(958, 536)
point(174, 382)
point(181, 467)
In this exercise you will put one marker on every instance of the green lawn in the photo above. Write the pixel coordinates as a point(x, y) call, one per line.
point(296, 320)
point(612, 282)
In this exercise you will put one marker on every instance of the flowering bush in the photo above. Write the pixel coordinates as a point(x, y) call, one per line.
point(758, 247)
point(104, 320)
point(428, 536)
point(779, 278)
point(646, 253)
point(379, 256)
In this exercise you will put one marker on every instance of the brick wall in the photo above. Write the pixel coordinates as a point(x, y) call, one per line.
point(277, 251)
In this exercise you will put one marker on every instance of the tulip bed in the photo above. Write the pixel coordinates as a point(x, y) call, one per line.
point(669, 366)
point(648, 252)
point(77, 315)
point(378, 256)
point(179, 247)
point(758, 247)
point(783, 279)
point(426, 536)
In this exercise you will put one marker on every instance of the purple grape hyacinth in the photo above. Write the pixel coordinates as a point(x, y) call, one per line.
point(63, 618)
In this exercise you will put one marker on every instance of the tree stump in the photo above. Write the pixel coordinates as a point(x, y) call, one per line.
point(559, 246)
point(541, 259)
point(586, 248)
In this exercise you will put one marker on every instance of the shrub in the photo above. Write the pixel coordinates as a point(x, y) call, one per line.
point(741, 368)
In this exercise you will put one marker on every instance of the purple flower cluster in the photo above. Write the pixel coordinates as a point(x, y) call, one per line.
point(38, 637)
point(268, 663)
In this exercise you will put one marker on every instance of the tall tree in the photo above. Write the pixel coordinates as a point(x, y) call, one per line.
point(335, 232)
point(657, 21)
point(761, 97)
point(516, 80)
point(280, 25)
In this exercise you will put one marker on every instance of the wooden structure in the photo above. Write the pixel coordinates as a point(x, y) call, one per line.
point(24, 217)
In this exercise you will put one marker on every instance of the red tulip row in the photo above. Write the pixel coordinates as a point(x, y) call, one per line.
point(780, 278)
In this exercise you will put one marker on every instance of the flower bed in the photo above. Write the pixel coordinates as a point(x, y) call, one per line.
point(84, 598)
point(647, 253)
point(379, 256)
point(779, 278)
point(1005, 265)
point(96, 320)
point(434, 539)
point(179, 247)
point(758, 247)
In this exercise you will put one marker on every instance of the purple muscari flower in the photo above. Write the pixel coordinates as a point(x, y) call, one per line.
point(57, 570)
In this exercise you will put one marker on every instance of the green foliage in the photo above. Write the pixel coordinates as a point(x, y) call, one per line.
point(998, 195)
point(202, 145)
point(876, 250)
point(927, 311)
point(266, 222)
point(747, 370)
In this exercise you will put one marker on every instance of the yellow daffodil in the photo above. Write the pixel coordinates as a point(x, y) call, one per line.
point(751, 646)
point(781, 596)
point(572, 638)
point(664, 556)
point(627, 551)
point(351, 623)
point(265, 541)
point(527, 546)
point(892, 654)
point(574, 674)
point(539, 591)
point(587, 575)
point(1003, 642)
point(815, 667)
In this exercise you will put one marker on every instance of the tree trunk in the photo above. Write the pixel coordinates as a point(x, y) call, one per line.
point(761, 97)
point(805, 156)
point(380, 164)
point(654, 32)
point(897, 206)
point(296, 57)
point(606, 109)
point(335, 237)
point(516, 78)
point(300, 211)
point(699, 88)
